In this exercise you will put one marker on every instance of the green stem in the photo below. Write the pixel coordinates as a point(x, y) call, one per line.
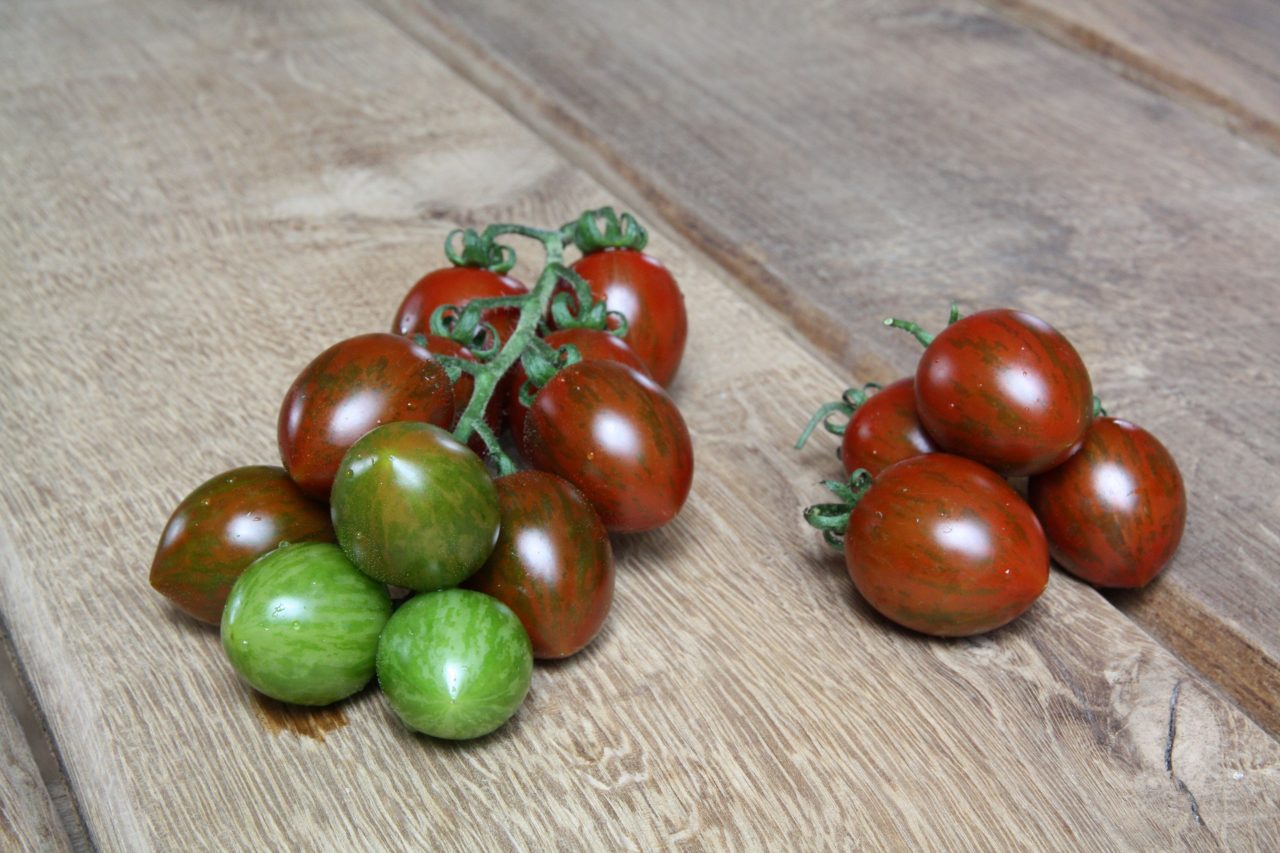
point(914, 328)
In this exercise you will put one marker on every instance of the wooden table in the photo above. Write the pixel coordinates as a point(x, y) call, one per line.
point(198, 198)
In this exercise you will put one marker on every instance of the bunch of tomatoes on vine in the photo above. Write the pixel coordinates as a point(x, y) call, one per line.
point(934, 536)
point(395, 478)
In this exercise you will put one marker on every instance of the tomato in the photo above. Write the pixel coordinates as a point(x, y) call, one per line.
point(553, 565)
point(302, 624)
point(223, 526)
point(457, 286)
point(944, 546)
point(639, 287)
point(349, 389)
point(885, 429)
point(415, 508)
point(1005, 389)
point(1113, 512)
point(617, 436)
point(454, 664)
point(592, 344)
point(463, 388)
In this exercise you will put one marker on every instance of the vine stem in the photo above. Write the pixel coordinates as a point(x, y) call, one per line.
point(532, 309)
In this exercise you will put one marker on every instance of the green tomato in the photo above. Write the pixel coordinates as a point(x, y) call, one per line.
point(302, 624)
point(414, 508)
point(455, 664)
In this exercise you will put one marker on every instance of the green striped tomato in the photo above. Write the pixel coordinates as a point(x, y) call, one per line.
point(454, 664)
point(414, 507)
point(302, 624)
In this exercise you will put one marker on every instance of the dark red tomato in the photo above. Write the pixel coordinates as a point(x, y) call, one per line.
point(222, 527)
point(1113, 512)
point(944, 546)
point(465, 386)
point(884, 430)
point(616, 435)
point(553, 564)
point(592, 344)
point(349, 389)
point(457, 286)
point(1004, 388)
point(640, 287)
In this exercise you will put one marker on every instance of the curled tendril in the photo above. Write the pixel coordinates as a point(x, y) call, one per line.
point(597, 230)
point(577, 309)
point(541, 363)
point(466, 327)
point(850, 401)
point(832, 519)
point(480, 251)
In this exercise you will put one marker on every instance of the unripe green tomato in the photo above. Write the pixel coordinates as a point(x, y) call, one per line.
point(455, 664)
point(302, 624)
point(415, 508)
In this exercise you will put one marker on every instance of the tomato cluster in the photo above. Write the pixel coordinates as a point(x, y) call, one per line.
point(399, 434)
point(934, 537)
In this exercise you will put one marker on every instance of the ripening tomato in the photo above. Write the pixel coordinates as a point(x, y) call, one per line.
point(884, 430)
point(640, 287)
point(944, 546)
point(457, 286)
point(414, 507)
point(349, 389)
point(463, 388)
point(592, 344)
point(1113, 512)
point(1006, 389)
point(222, 527)
point(616, 435)
point(553, 565)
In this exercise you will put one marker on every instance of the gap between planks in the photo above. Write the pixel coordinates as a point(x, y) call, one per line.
point(1254, 679)
point(16, 692)
point(1203, 100)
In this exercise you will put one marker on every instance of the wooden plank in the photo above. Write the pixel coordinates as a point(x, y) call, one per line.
point(885, 160)
point(1220, 57)
point(28, 820)
point(197, 200)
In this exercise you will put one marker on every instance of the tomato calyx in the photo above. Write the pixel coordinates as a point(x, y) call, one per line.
point(478, 251)
point(576, 309)
point(1099, 411)
point(850, 401)
point(833, 518)
point(920, 334)
point(602, 229)
point(541, 362)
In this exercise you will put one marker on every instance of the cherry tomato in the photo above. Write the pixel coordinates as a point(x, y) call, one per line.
point(553, 565)
point(223, 526)
point(617, 436)
point(639, 287)
point(592, 344)
point(884, 430)
point(302, 624)
point(349, 389)
point(463, 388)
point(944, 546)
point(457, 286)
point(454, 664)
point(414, 508)
point(1005, 389)
point(1113, 512)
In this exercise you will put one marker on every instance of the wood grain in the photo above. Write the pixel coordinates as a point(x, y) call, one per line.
point(887, 158)
point(28, 820)
point(200, 198)
point(1220, 57)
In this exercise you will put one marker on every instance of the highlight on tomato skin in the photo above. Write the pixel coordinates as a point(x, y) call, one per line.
point(944, 546)
point(1114, 512)
point(885, 429)
point(457, 286)
point(1006, 389)
point(640, 287)
point(224, 525)
point(347, 390)
point(553, 564)
point(617, 436)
